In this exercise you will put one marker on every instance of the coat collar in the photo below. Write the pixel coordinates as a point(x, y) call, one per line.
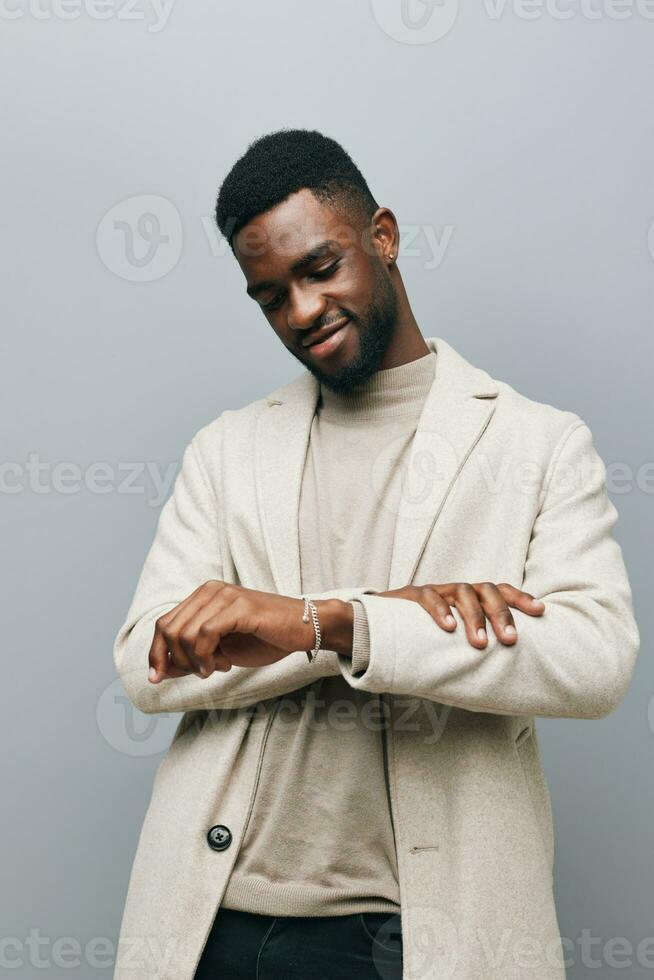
point(457, 409)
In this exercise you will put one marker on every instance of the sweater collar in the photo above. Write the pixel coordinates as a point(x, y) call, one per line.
point(390, 393)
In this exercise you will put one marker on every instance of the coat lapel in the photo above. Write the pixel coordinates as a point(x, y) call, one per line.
point(281, 444)
point(457, 409)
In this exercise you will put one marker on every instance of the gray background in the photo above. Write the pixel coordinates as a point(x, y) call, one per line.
point(529, 139)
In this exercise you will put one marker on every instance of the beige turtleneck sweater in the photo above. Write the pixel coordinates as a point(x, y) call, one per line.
point(320, 836)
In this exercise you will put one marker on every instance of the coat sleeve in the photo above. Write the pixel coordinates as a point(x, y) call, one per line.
point(360, 638)
point(185, 553)
point(575, 660)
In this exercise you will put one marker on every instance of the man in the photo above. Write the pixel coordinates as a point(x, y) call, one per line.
point(362, 591)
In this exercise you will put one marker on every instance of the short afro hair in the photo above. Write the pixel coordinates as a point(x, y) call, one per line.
point(280, 164)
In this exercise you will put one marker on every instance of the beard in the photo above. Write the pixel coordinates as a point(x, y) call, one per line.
point(375, 329)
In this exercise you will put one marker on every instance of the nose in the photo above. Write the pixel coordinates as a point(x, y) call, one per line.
point(304, 309)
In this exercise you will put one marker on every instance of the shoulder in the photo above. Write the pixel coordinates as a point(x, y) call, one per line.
point(540, 432)
point(238, 425)
point(541, 422)
point(534, 428)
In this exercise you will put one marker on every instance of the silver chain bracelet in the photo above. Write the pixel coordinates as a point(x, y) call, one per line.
point(309, 605)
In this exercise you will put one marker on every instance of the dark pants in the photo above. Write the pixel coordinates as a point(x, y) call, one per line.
point(245, 946)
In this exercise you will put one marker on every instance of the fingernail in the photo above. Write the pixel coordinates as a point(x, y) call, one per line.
point(510, 630)
point(450, 620)
point(152, 673)
point(539, 602)
point(481, 633)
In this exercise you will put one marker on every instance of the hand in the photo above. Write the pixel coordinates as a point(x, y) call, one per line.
point(474, 603)
point(221, 624)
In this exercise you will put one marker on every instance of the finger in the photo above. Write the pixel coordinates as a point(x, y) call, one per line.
point(183, 631)
point(522, 600)
point(207, 641)
point(160, 663)
point(200, 631)
point(222, 662)
point(199, 643)
point(174, 671)
point(163, 661)
point(156, 673)
point(158, 658)
point(219, 662)
point(208, 650)
point(177, 657)
point(497, 611)
point(466, 601)
point(205, 633)
point(438, 608)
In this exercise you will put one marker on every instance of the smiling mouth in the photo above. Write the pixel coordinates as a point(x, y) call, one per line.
point(325, 345)
point(325, 336)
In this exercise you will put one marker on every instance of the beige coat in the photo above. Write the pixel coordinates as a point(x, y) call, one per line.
point(500, 488)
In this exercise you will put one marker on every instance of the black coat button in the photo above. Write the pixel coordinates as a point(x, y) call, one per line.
point(219, 837)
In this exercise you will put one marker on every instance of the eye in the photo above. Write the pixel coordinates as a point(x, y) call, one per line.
point(319, 274)
point(272, 305)
point(324, 273)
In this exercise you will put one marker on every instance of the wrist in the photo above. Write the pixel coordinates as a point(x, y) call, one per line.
point(336, 619)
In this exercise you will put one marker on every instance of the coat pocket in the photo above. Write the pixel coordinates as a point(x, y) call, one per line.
point(521, 736)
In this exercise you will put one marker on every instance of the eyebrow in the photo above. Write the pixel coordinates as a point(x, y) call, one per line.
point(317, 252)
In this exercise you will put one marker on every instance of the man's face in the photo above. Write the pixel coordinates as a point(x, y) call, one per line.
point(309, 270)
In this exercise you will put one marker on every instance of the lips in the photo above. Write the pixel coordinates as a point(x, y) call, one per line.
point(318, 336)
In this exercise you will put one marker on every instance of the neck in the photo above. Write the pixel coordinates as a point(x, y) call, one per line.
point(407, 343)
point(387, 395)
